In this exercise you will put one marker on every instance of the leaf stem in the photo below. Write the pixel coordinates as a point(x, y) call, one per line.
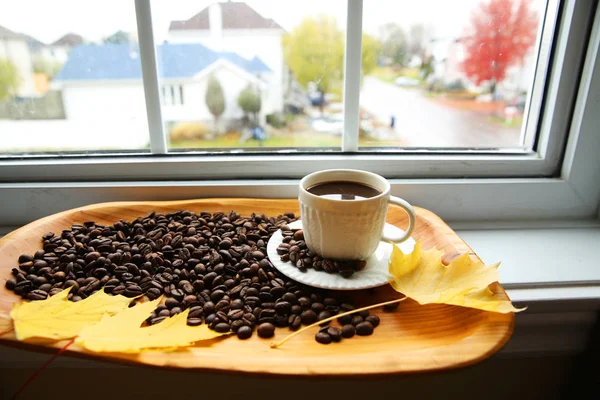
point(12, 328)
point(275, 345)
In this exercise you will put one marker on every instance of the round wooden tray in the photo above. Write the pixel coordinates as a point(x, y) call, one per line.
point(415, 338)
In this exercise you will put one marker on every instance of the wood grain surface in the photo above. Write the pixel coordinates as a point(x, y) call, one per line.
point(415, 338)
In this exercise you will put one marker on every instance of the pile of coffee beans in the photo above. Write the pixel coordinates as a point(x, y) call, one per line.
point(214, 264)
point(293, 248)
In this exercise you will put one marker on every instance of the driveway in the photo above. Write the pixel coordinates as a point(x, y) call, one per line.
point(421, 122)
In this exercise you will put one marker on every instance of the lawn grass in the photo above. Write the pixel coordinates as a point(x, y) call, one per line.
point(516, 122)
point(389, 74)
point(231, 140)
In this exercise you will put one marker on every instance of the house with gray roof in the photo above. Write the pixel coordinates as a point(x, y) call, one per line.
point(105, 81)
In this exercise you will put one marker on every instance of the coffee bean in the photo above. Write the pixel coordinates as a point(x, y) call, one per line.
point(194, 321)
point(346, 319)
point(153, 293)
point(357, 319)
point(164, 313)
point(157, 320)
point(237, 304)
point(10, 284)
point(373, 319)
point(308, 317)
point(290, 298)
point(323, 338)
point(210, 318)
point(317, 307)
point(294, 321)
point(175, 311)
point(304, 302)
point(37, 295)
point(25, 258)
point(391, 307)
point(324, 315)
point(171, 302)
point(296, 309)
point(235, 314)
point(222, 327)
point(217, 295)
point(364, 329)
point(348, 331)
point(364, 313)
point(266, 330)
point(133, 290)
point(334, 333)
point(244, 332)
point(283, 308)
point(222, 305)
point(209, 308)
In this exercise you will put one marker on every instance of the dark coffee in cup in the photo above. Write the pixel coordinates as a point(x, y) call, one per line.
point(344, 190)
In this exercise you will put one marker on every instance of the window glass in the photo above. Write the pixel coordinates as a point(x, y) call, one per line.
point(448, 74)
point(70, 77)
point(253, 74)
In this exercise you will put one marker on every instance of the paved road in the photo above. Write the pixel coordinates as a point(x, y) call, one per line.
point(422, 122)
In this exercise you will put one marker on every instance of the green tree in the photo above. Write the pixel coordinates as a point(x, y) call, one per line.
point(314, 51)
point(119, 37)
point(9, 79)
point(215, 99)
point(394, 43)
point(426, 68)
point(49, 68)
point(249, 101)
point(371, 49)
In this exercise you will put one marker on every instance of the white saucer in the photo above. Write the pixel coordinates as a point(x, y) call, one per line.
point(373, 275)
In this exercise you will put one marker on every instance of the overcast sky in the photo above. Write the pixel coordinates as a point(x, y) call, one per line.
point(49, 20)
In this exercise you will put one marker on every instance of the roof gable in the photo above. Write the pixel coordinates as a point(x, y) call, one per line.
point(236, 15)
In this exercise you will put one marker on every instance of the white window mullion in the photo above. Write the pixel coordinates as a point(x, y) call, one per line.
point(352, 70)
point(158, 143)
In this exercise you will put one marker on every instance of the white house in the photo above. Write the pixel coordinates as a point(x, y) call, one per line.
point(14, 47)
point(58, 51)
point(238, 28)
point(101, 82)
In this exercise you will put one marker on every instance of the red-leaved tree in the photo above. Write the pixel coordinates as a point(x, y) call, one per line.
point(502, 32)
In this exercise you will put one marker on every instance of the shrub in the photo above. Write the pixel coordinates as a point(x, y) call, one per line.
point(276, 120)
point(182, 131)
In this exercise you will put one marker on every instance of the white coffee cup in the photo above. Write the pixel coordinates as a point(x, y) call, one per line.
point(348, 229)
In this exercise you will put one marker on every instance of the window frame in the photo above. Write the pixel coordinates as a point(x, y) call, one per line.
point(554, 117)
point(456, 187)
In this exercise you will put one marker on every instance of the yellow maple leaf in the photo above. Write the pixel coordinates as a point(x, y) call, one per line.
point(57, 318)
point(422, 276)
point(122, 332)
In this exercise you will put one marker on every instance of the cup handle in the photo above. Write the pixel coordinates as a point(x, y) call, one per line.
point(412, 217)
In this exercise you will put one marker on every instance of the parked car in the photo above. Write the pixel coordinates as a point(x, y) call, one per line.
point(407, 81)
point(519, 102)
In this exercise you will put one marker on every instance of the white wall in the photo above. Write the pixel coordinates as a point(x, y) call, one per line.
point(17, 52)
point(58, 54)
point(101, 100)
point(194, 98)
point(248, 43)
